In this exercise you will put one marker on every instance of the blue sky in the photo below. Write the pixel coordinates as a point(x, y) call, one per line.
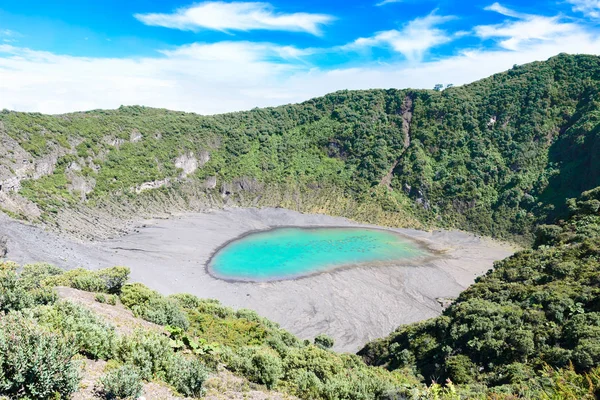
point(211, 57)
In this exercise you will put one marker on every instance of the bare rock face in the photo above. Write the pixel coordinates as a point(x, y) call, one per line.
point(203, 158)
point(187, 162)
point(210, 182)
point(135, 136)
point(81, 184)
point(152, 185)
point(3, 246)
point(113, 141)
point(45, 166)
point(17, 204)
point(15, 163)
point(243, 184)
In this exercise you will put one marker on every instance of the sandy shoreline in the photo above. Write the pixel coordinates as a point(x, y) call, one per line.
point(354, 305)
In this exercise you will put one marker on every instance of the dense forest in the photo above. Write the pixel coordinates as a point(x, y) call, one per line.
point(516, 156)
point(536, 310)
point(496, 157)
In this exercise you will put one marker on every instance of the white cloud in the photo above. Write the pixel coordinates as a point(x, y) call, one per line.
point(242, 16)
point(231, 76)
point(514, 34)
point(384, 2)
point(590, 8)
point(412, 41)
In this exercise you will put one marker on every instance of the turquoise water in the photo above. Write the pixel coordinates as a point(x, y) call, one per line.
point(286, 253)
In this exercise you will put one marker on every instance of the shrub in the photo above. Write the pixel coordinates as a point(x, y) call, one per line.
point(187, 375)
point(107, 280)
point(34, 275)
point(186, 300)
point(13, 295)
point(122, 383)
point(93, 337)
point(114, 278)
point(324, 341)
point(152, 306)
point(100, 298)
point(259, 364)
point(148, 351)
point(461, 369)
point(79, 278)
point(35, 364)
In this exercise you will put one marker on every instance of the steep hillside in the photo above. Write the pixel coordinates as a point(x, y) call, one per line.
point(497, 156)
point(537, 309)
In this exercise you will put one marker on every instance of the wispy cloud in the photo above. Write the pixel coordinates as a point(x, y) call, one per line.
point(590, 8)
point(524, 29)
point(384, 2)
point(413, 40)
point(9, 36)
point(242, 16)
point(236, 75)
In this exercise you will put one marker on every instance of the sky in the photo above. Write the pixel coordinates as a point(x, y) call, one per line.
point(221, 56)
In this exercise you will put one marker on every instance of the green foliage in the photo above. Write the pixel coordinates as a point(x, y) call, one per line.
point(34, 363)
point(13, 293)
point(259, 364)
point(187, 375)
point(324, 341)
point(34, 275)
point(537, 308)
point(92, 336)
point(147, 351)
point(152, 306)
point(121, 383)
point(497, 156)
point(107, 280)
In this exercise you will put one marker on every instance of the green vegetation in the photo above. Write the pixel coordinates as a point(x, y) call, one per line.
point(500, 157)
point(200, 336)
point(535, 310)
point(122, 383)
point(34, 363)
point(497, 156)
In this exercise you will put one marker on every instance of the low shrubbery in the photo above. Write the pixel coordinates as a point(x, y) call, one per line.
point(152, 306)
point(35, 363)
point(121, 383)
point(187, 375)
point(92, 336)
point(147, 351)
point(108, 280)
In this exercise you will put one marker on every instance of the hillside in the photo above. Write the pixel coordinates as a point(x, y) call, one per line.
point(496, 157)
point(535, 311)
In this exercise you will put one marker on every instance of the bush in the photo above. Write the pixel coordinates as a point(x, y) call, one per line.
point(114, 278)
point(152, 306)
point(107, 280)
point(148, 351)
point(461, 369)
point(34, 275)
point(187, 375)
point(259, 364)
point(35, 364)
point(122, 383)
point(13, 295)
point(93, 336)
point(100, 298)
point(186, 300)
point(324, 341)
